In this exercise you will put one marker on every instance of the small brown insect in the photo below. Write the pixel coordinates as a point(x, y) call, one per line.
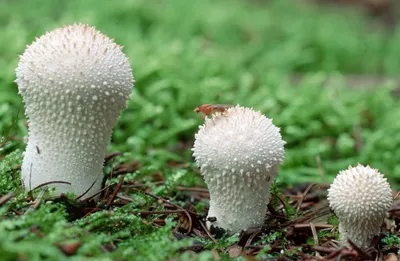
point(37, 150)
point(208, 109)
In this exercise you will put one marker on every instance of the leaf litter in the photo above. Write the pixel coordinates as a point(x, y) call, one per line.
point(299, 224)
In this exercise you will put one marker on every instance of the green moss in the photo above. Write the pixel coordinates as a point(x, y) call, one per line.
point(9, 173)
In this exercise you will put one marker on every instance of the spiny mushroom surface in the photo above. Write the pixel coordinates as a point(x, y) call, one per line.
point(74, 82)
point(360, 197)
point(238, 152)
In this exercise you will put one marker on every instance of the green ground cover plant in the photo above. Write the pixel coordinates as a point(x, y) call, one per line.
point(288, 59)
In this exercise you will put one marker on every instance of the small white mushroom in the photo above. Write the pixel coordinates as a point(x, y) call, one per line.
point(360, 197)
point(238, 152)
point(74, 82)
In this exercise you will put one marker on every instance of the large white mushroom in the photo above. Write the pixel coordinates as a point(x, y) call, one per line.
point(74, 82)
point(238, 152)
point(360, 197)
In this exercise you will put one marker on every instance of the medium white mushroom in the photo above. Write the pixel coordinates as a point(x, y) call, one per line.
point(360, 197)
point(74, 82)
point(238, 152)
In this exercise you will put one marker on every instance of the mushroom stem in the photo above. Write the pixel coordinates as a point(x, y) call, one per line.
point(241, 205)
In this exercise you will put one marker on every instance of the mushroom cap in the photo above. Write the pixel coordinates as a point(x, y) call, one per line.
point(240, 141)
point(360, 195)
point(70, 61)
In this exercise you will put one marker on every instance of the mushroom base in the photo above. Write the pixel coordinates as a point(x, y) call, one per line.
point(57, 159)
point(359, 233)
point(238, 205)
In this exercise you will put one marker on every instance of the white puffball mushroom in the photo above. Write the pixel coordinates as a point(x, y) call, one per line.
point(360, 197)
point(238, 152)
point(74, 82)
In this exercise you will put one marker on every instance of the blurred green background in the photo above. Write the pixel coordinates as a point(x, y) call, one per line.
point(289, 59)
point(327, 75)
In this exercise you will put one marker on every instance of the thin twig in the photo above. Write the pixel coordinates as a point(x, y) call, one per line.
point(308, 215)
point(114, 194)
point(140, 185)
point(125, 198)
point(91, 212)
point(252, 237)
point(166, 212)
point(326, 250)
point(37, 201)
point(91, 186)
point(314, 233)
point(48, 183)
point(364, 255)
point(303, 196)
point(111, 175)
point(207, 232)
point(280, 199)
point(171, 204)
point(394, 209)
point(193, 189)
point(316, 226)
point(111, 156)
point(96, 194)
point(6, 198)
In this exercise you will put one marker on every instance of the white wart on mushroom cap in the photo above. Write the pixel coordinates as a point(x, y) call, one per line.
point(238, 153)
point(360, 197)
point(74, 82)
